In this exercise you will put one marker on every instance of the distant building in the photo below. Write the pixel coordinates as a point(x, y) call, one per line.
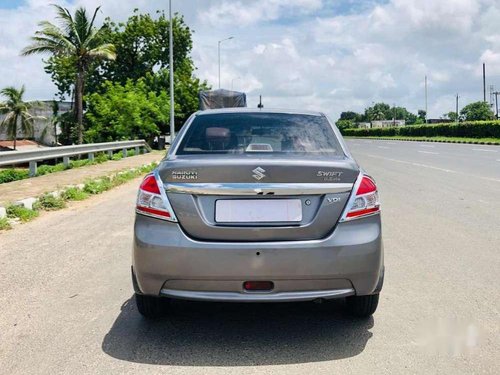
point(43, 128)
point(387, 123)
point(364, 125)
point(438, 120)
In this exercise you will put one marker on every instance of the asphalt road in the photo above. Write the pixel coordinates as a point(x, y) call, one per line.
point(66, 302)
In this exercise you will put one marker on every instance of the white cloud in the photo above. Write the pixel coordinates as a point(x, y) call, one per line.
point(310, 54)
point(244, 13)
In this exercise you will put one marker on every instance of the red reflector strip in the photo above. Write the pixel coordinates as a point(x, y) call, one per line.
point(258, 285)
point(153, 211)
point(363, 212)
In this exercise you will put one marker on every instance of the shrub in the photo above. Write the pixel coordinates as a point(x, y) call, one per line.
point(98, 186)
point(48, 202)
point(118, 156)
point(101, 158)
point(475, 129)
point(4, 224)
point(123, 177)
point(46, 169)
point(22, 213)
point(9, 175)
point(74, 194)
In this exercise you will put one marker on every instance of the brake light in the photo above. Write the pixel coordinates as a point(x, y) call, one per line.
point(366, 201)
point(150, 201)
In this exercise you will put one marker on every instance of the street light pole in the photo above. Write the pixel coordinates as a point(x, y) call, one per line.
point(218, 52)
point(426, 99)
point(496, 102)
point(171, 66)
point(457, 108)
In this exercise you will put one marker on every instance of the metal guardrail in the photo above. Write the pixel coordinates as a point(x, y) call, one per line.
point(65, 152)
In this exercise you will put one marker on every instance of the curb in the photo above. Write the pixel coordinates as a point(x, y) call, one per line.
point(427, 140)
point(29, 202)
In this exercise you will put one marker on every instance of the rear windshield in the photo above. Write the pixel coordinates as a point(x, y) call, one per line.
point(239, 133)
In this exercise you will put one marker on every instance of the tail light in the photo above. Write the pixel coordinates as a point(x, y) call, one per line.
point(366, 200)
point(151, 201)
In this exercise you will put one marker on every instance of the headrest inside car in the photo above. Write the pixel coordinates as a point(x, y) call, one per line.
point(217, 133)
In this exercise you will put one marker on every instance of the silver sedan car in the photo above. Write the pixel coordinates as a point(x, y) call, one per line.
point(258, 206)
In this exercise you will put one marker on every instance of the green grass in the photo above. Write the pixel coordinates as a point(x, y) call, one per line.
point(15, 174)
point(48, 202)
point(4, 224)
point(22, 213)
point(74, 194)
point(98, 186)
point(495, 141)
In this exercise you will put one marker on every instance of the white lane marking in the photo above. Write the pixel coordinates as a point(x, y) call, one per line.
point(432, 167)
point(429, 152)
point(430, 146)
point(391, 143)
point(483, 149)
point(382, 147)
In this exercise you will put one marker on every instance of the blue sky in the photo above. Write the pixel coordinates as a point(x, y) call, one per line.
point(9, 4)
point(313, 54)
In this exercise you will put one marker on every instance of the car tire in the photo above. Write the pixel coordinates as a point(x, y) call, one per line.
point(362, 306)
point(151, 307)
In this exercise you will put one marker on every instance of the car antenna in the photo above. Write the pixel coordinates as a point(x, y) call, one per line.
point(260, 105)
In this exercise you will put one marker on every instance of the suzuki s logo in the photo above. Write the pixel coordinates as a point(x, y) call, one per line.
point(258, 173)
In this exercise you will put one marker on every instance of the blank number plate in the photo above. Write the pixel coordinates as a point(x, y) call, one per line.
point(258, 210)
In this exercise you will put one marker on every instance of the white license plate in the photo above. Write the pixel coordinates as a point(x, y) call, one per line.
point(258, 210)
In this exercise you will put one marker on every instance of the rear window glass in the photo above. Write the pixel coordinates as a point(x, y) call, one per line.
point(260, 133)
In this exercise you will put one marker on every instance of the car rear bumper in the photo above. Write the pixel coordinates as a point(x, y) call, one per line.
point(169, 263)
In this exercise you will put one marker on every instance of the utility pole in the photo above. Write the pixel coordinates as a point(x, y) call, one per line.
point(484, 83)
point(426, 99)
point(171, 66)
point(260, 105)
point(457, 108)
point(496, 102)
point(218, 52)
point(394, 114)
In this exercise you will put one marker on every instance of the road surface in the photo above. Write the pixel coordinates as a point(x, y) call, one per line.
point(66, 302)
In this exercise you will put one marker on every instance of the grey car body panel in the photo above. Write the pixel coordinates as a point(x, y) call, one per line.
point(196, 215)
point(196, 212)
point(164, 252)
point(239, 169)
point(323, 256)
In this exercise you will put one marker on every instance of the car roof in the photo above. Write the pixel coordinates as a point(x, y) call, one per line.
point(257, 110)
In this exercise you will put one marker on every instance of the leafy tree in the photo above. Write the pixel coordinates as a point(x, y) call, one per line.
point(380, 111)
point(349, 115)
point(477, 111)
point(451, 115)
point(422, 114)
point(127, 111)
point(78, 43)
point(345, 124)
point(17, 113)
point(142, 48)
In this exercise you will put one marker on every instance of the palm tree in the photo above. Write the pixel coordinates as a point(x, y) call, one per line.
point(16, 113)
point(76, 38)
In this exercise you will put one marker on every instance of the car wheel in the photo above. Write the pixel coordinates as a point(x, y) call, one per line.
point(362, 306)
point(151, 307)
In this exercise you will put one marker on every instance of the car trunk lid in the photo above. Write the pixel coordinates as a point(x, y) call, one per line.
point(313, 189)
